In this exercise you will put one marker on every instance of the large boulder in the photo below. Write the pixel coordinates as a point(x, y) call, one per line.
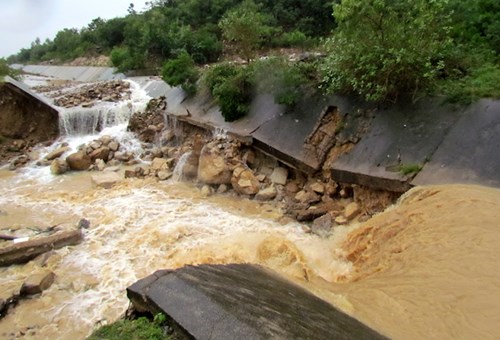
point(100, 153)
point(78, 161)
point(106, 179)
point(37, 283)
point(58, 167)
point(244, 181)
point(212, 167)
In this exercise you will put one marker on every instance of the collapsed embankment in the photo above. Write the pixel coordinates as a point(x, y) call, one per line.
point(26, 119)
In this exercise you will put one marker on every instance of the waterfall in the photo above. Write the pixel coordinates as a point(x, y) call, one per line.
point(219, 133)
point(79, 121)
point(179, 168)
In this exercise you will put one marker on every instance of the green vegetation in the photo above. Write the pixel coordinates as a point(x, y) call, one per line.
point(231, 86)
point(5, 70)
point(138, 329)
point(286, 81)
point(245, 28)
point(409, 169)
point(384, 49)
point(380, 50)
point(181, 71)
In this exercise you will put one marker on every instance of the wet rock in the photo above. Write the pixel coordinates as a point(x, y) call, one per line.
point(244, 181)
point(212, 167)
point(331, 188)
point(56, 153)
point(351, 210)
point(266, 194)
point(35, 284)
point(341, 220)
point(95, 144)
point(159, 164)
point(279, 176)
point(100, 165)
point(106, 180)
point(112, 169)
point(206, 191)
point(308, 197)
point(114, 146)
point(123, 156)
point(222, 188)
point(58, 167)
point(332, 207)
point(78, 161)
point(83, 224)
point(292, 188)
point(100, 153)
point(322, 225)
point(317, 188)
point(130, 174)
point(164, 175)
point(19, 162)
point(105, 140)
point(250, 158)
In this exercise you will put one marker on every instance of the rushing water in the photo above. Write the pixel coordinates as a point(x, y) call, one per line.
point(425, 269)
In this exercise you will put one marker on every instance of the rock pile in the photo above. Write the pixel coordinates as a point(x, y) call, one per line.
point(148, 125)
point(88, 95)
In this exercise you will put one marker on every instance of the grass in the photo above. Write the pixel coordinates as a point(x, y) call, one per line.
point(410, 169)
point(138, 329)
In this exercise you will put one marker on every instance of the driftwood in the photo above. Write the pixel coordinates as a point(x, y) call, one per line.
point(24, 251)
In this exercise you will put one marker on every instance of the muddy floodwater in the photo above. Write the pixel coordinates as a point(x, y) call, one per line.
point(426, 268)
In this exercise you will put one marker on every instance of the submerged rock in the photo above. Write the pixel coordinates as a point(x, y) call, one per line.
point(37, 283)
point(58, 167)
point(106, 180)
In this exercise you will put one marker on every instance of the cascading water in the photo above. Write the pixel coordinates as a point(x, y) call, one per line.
point(179, 167)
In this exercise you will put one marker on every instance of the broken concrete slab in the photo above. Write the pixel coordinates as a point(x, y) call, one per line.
point(242, 301)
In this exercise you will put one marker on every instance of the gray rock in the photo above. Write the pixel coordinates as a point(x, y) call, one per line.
point(279, 176)
point(106, 180)
point(322, 226)
point(37, 283)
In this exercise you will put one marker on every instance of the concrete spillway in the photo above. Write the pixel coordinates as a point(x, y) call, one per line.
point(358, 143)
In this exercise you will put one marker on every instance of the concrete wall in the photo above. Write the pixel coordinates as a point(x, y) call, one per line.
point(453, 144)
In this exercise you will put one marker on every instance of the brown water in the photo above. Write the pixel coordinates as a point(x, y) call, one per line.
point(424, 269)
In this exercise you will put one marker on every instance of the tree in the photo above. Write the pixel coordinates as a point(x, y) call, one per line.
point(383, 49)
point(244, 28)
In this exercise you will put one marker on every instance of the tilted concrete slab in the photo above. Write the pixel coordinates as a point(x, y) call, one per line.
point(242, 301)
point(77, 73)
point(470, 152)
point(399, 136)
point(22, 87)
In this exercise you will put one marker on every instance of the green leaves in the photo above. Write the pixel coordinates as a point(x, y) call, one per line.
point(385, 49)
point(181, 71)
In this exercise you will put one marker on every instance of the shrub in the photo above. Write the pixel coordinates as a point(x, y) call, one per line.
point(384, 49)
point(231, 86)
point(5, 70)
point(124, 60)
point(285, 80)
point(181, 71)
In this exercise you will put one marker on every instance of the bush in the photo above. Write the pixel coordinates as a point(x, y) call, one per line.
point(181, 71)
point(481, 82)
point(385, 49)
point(285, 80)
point(124, 60)
point(5, 70)
point(231, 86)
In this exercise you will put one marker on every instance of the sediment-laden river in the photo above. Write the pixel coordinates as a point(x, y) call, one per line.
point(426, 268)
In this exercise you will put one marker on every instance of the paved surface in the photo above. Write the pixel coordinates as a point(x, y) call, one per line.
point(470, 152)
point(78, 73)
point(242, 301)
